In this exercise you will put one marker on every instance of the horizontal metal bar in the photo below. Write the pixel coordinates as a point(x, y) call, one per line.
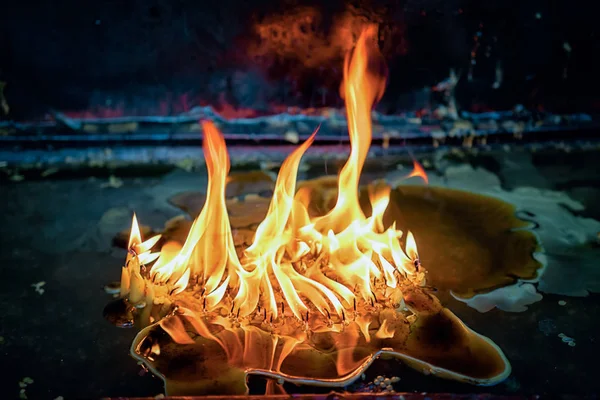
point(190, 139)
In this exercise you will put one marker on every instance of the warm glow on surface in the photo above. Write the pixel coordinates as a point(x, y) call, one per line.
point(323, 271)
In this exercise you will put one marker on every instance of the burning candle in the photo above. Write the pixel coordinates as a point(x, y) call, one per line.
point(125, 277)
point(137, 285)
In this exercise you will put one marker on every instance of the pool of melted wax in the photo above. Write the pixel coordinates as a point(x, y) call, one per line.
point(67, 348)
point(460, 252)
point(207, 354)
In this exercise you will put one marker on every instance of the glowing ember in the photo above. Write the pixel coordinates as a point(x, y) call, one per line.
point(304, 281)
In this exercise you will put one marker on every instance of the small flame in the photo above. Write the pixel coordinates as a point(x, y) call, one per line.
point(139, 248)
point(361, 89)
point(418, 171)
point(135, 237)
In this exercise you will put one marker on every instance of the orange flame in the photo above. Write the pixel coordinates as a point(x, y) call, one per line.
point(320, 270)
point(209, 251)
point(361, 89)
point(418, 171)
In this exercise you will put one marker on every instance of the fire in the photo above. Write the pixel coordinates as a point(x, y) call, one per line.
point(314, 298)
point(418, 171)
point(322, 272)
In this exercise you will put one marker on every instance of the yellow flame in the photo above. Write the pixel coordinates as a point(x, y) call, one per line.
point(135, 237)
point(361, 89)
point(209, 251)
point(296, 264)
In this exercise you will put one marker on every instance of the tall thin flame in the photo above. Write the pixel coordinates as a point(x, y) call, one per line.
point(361, 88)
point(209, 251)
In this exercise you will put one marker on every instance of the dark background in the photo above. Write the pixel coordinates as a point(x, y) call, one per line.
point(127, 57)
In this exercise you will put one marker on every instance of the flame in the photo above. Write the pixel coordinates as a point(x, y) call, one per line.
point(323, 271)
point(137, 247)
point(135, 237)
point(418, 171)
point(360, 89)
point(208, 251)
point(132, 282)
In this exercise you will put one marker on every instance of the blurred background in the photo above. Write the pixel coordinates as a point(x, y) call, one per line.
point(248, 58)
